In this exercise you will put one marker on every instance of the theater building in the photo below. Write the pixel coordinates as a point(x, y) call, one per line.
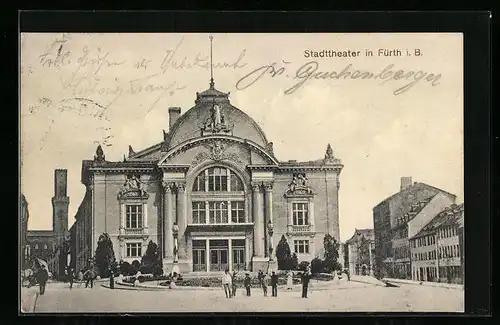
point(212, 194)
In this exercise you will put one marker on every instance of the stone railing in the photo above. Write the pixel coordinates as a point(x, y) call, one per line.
point(134, 231)
point(301, 228)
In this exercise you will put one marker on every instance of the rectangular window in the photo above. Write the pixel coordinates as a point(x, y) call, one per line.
point(134, 249)
point(301, 246)
point(199, 183)
point(199, 213)
point(218, 212)
point(134, 216)
point(300, 214)
point(217, 179)
point(238, 212)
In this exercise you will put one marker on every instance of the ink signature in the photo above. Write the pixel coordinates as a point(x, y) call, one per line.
point(311, 71)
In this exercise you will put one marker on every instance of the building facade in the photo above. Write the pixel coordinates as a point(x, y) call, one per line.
point(212, 194)
point(24, 217)
point(360, 252)
point(437, 251)
point(400, 217)
point(47, 244)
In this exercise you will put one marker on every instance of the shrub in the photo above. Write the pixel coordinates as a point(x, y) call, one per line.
point(303, 266)
point(317, 265)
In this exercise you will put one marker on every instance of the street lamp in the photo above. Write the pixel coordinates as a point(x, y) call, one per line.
point(270, 229)
point(175, 231)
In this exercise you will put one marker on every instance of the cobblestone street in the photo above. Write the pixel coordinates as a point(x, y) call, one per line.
point(356, 297)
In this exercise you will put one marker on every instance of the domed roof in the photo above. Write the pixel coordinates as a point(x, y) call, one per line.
point(200, 118)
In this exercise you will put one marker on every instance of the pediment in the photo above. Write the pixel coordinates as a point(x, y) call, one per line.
point(217, 149)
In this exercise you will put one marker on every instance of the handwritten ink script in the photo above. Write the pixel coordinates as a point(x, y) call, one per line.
point(311, 70)
point(94, 79)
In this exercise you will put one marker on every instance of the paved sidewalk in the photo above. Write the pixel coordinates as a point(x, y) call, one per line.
point(28, 299)
point(358, 298)
point(429, 284)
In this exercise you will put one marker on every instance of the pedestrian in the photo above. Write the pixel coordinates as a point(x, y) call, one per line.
point(80, 278)
point(263, 282)
point(274, 284)
point(247, 283)
point(111, 279)
point(42, 277)
point(289, 280)
point(226, 283)
point(90, 275)
point(71, 277)
point(305, 277)
point(233, 283)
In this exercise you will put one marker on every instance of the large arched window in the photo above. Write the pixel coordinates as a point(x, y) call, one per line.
point(218, 197)
point(217, 179)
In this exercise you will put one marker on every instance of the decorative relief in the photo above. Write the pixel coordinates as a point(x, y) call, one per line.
point(268, 186)
point(181, 187)
point(256, 186)
point(216, 122)
point(99, 156)
point(298, 185)
point(132, 188)
point(167, 186)
point(216, 152)
point(269, 148)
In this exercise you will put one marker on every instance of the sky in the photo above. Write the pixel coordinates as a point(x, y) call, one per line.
point(81, 90)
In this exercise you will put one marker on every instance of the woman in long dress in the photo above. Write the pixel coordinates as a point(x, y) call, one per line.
point(289, 281)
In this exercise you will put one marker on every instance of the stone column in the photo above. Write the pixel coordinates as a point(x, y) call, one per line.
point(268, 209)
point(207, 254)
point(258, 236)
point(181, 219)
point(168, 240)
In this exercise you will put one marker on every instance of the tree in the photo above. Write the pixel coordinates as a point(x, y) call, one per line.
point(104, 255)
point(317, 265)
point(283, 254)
point(151, 261)
point(331, 247)
point(294, 262)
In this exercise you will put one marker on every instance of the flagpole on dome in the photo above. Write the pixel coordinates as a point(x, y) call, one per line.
point(212, 84)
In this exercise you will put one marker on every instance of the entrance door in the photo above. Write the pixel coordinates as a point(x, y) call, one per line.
point(199, 256)
point(219, 255)
point(239, 259)
point(218, 259)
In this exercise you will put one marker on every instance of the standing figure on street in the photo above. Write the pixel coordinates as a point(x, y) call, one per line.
point(305, 277)
point(289, 280)
point(111, 279)
point(263, 282)
point(274, 284)
point(90, 275)
point(71, 277)
point(233, 283)
point(226, 283)
point(248, 283)
point(42, 277)
point(80, 278)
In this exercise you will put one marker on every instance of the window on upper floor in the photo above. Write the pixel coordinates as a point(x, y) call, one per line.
point(217, 179)
point(133, 214)
point(300, 214)
point(301, 246)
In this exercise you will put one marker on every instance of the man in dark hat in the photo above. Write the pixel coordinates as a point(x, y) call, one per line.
point(42, 276)
point(274, 284)
point(248, 283)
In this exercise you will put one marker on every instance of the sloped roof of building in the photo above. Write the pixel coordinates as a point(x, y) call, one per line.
point(452, 215)
point(40, 233)
point(414, 187)
point(367, 233)
point(416, 208)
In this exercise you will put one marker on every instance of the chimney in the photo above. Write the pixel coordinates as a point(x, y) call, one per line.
point(405, 183)
point(173, 115)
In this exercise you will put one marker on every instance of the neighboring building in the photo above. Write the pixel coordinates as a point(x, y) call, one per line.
point(47, 244)
point(437, 249)
point(399, 217)
point(360, 252)
point(212, 194)
point(24, 231)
